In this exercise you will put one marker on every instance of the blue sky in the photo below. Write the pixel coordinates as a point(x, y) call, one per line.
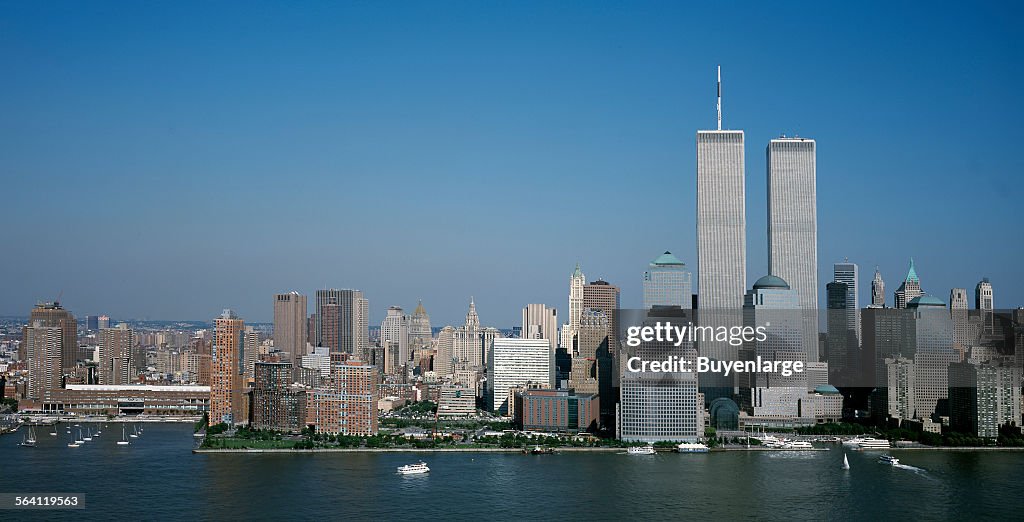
point(167, 160)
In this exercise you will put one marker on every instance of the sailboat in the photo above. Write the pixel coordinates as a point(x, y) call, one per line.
point(135, 432)
point(54, 432)
point(846, 462)
point(29, 441)
point(79, 440)
point(88, 435)
point(124, 438)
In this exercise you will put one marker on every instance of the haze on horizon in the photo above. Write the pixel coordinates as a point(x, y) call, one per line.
point(167, 161)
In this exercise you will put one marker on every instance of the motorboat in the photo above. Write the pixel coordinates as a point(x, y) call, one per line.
point(870, 443)
point(889, 459)
point(640, 450)
point(413, 469)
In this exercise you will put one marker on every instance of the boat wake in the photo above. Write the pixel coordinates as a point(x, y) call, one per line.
point(910, 468)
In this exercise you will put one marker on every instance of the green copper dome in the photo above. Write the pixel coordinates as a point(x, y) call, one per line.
point(667, 259)
point(770, 281)
point(925, 300)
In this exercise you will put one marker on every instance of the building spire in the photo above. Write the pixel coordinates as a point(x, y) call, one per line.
point(719, 105)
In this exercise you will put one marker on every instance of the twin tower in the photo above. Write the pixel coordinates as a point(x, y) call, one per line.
point(722, 227)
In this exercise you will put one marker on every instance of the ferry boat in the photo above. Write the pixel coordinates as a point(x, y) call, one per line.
point(691, 447)
point(640, 450)
point(870, 443)
point(797, 445)
point(855, 442)
point(889, 459)
point(413, 469)
point(538, 450)
point(771, 441)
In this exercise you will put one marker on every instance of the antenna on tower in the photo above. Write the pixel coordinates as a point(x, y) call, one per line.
point(719, 97)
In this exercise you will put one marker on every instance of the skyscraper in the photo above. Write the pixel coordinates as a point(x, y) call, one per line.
point(793, 228)
point(517, 362)
point(52, 314)
point(394, 330)
point(226, 389)
point(115, 364)
point(420, 333)
point(983, 296)
point(721, 232)
point(909, 289)
point(43, 357)
point(668, 283)
point(846, 272)
point(877, 290)
point(576, 282)
point(290, 325)
point(352, 332)
point(604, 296)
point(540, 322)
point(933, 353)
point(842, 341)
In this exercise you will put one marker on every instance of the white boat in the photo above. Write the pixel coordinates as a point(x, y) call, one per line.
point(797, 445)
point(692, 447)
point(846, 462)
point(79, 440)
point(855, 442)
point(29, 440)
point(648, 449)
point(870, 443)
point(135, 432)
point(88, 436)
point(413, 469)
point(73, 444)
point(771, 441)
point(124, 438)
point(889, 459)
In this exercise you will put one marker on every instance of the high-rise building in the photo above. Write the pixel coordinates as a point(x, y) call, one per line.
point(773, 305)
point(540, 322)
point(92, 323)
point(668, 283)
point(901, 392)
point(250, 352)
point(115, 364)
point(842, 343)
point(721, 242)
point(43, 349)
point(983, 296)
point(352, 316)
point(604, 296)
point(420, 333)
point(443, 361)
point(963, 333)
point(102, 322)
point(394, 331)
point(52, 314)
point(471, 342)
point(227, 394)
point(347, 402)
point(276, 404)
point(793, 229)
point(518, 362)
point(909, 289)
point(877, 290)
point(933, 353)
point(846, 272)
point(290, 325)
point(983, 396)
point(576, 283)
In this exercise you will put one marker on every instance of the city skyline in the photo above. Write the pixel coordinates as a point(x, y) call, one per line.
point(585, 133)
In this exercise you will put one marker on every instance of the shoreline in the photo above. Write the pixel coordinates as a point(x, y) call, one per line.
point(571, 450)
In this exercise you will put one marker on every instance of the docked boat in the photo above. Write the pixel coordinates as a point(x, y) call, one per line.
point(135, 432)
point(640, 450)
point(79, 441)
point(870, 443)
point(539, 450)
point(692, 447)
point(88, 435)
point(889, 459)
point(797, 445)
point(413, 469)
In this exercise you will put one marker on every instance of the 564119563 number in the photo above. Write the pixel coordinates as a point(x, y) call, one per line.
point(41, 501)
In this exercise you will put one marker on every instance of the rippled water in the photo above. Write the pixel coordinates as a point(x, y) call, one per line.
point(157, 477)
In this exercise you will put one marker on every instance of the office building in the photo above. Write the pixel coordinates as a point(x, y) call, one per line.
point(455, 402)
point(576, 283)
point(846, 272)
point(877, 290)
point(540, 322)
point(933, 353)
point(909, 289)
point(443, 360)
point(276, 403)
point(518, 362)
point(983, 396)
point(43, 348)
point(793, 229)
point(420, 333)
point(555, 411)
point(667, 283)
point(290, 326)
point(54, 315)
point(603, 296)
point(394, 332)
point(344, 324)
point(347, 402)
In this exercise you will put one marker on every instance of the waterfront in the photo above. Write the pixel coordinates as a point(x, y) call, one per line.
point(158, 477)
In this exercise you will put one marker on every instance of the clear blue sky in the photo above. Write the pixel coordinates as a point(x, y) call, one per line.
point(169, 159)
